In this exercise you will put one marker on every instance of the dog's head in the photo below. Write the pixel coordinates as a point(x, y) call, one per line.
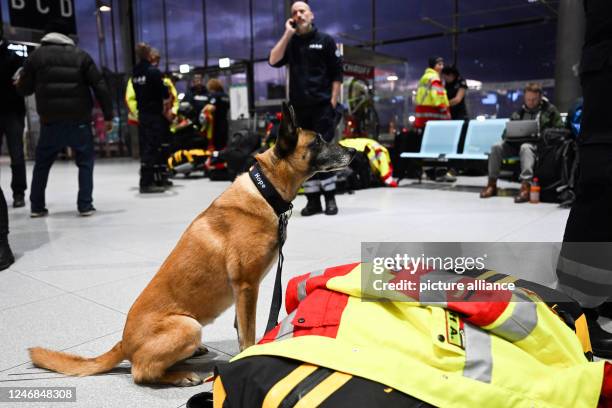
point(307, 151)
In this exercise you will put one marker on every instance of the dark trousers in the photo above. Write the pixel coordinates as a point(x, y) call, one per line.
point(321, 119)
point(4, 228)
point(590, 219)
point(11, 125)
point(585, 269)
point(152, 132)
point(53, 138)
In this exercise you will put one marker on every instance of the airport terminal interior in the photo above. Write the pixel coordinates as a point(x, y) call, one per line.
point(77, 270)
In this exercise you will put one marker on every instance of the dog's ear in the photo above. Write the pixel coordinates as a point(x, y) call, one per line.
point(288, 135)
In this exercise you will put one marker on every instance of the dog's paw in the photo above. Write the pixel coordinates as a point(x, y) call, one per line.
point(189, 380)
point(200, 351)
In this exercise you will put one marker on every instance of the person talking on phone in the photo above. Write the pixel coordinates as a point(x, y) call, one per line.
point(315, 76)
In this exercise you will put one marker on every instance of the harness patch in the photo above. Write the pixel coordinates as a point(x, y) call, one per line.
point(454, 329)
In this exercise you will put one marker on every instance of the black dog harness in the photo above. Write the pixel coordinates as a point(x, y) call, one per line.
point(283, 211)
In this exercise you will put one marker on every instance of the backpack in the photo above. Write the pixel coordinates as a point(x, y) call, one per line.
point(556, 167)
point(239, 151)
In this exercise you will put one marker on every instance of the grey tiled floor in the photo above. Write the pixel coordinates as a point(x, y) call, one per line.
point(75, 278)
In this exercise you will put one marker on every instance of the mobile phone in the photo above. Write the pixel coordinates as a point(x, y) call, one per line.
point(293, 24)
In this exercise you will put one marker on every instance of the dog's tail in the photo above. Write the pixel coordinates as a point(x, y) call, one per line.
point(71, 364)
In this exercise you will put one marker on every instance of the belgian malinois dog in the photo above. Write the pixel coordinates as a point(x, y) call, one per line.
point(220, 259)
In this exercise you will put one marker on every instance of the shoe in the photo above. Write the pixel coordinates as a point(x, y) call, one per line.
point(151, 189)
point(37, 214)
point(87, 212)
point(523, 195)
point(167, 183)
point(18, 201)
point(313, 206)
point(6, 255)
point(490, 190)
point(448, 177)
point(601, 340)
point(330, 205)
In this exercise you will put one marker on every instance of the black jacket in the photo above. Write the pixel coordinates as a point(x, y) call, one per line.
point(149, 88)
point(314, 63)
point(10, 100)
point(62, 77)
point(221, 102)
point(198, 98)
point(597, 50)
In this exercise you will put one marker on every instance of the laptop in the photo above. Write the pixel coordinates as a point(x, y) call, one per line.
point(522, 130)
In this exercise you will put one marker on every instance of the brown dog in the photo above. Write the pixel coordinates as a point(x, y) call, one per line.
point(221, 258)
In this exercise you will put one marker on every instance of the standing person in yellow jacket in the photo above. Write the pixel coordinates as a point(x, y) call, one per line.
point(432, 102)
point(431, 99)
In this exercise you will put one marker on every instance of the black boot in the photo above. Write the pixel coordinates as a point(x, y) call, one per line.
point(601, 340)
point(6, 255)
point(313, 206)
point(18, 200)
point(330, 203)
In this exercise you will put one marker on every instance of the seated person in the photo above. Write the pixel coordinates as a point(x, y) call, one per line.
point(535, 106)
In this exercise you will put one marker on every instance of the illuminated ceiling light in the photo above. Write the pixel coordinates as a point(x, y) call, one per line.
point(411, 118)
point(104, 8)
point(184, 68)
point(224, 62)
point(392, 78)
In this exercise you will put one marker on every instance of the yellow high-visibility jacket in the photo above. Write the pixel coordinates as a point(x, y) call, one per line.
point(515, 353)
point(132, 105)
point(431, 99)
point(378, 155)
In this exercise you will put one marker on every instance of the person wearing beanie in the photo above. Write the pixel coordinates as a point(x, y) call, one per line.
point(431, 99)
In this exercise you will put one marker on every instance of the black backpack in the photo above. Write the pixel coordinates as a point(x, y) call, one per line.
point(556, 167)
point(239, 151)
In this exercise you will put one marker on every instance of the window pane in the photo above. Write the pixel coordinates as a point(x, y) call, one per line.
point(185, 33)
point(228, 29)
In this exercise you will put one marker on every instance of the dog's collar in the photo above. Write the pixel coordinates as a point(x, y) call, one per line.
point(268, 191)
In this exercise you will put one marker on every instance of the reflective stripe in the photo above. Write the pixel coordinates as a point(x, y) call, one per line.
point(282, 388)
point(329, 186)
point(585, 300)
point(219, 393)
point(301, 287)
point(323, 390)
point(522, 322)
point(430, 115)
point(486, 275)
point(311, 188)
point(286, 327)
point(508, 279)
point(585, 272)
point(478, 356)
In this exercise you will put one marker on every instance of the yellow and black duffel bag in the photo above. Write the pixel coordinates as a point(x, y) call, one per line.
point(271, 382)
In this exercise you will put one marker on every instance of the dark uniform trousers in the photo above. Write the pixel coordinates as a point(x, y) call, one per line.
point(585, 268)
point(152, 132)
point(4, 227)
point(321, 119)
point(11, 124)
